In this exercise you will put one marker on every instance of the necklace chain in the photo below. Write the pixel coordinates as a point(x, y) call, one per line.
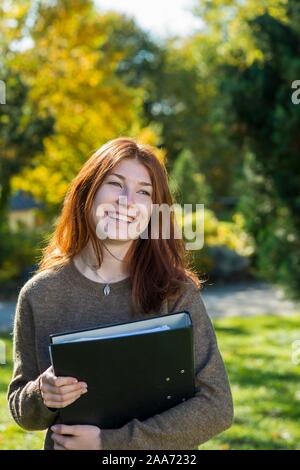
point(95, 271)
point(101, 277)
point(106, 289)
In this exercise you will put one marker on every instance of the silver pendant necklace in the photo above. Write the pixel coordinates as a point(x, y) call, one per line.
point(106, 289)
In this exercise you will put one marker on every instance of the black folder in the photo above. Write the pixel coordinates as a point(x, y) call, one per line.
point(133, 370)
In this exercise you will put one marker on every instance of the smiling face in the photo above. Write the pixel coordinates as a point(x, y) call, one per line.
point(123, 203)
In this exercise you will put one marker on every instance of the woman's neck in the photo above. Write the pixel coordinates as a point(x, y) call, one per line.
point(111, 269)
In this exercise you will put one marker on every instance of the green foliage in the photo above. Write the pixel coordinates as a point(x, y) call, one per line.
point(267, 122)
point(227, 249)
point(21, 133)
point(19, 250)
point(22, 129)
point(208, 101)
point(12, 437)
point(71, 75)
point(188, 116)
point(186, 182)
point(265, 383)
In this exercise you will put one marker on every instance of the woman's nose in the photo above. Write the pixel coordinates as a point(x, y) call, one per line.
point(128, 194)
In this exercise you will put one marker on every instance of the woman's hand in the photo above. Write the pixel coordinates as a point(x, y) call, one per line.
point(58, 392)
point(79, 437)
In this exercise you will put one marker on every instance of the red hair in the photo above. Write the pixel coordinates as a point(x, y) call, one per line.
point(158, 267)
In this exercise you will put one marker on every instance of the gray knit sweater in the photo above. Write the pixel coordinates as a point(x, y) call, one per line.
point(55, 301)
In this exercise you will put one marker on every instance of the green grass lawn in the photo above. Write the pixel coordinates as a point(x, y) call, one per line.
point(265, 385)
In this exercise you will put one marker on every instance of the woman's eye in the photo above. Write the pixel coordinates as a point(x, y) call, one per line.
point(119, 184)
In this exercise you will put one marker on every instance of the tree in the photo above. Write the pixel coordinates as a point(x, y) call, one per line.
point(225, 37)
point(267, 122)
point(72, 76)
point(187, 183)
point(21, 130)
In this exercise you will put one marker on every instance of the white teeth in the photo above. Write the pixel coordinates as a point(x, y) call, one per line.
point(119, 217)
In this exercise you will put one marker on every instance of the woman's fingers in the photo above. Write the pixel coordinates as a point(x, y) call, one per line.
point(70, 430)
point(58, 392)
point(60, 381)
point(66, 442)
point(51, 378)
point(58, 447)
point(66, 397)
point(80, 386)
point(60, 401)
point(63, 390)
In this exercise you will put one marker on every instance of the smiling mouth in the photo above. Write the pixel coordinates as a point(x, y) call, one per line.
point(120, 217)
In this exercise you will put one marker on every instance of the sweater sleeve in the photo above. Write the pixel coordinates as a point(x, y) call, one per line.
point(198, 419)
point(24, 396)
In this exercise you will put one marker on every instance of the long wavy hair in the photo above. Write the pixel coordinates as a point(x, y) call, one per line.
point(158, 267)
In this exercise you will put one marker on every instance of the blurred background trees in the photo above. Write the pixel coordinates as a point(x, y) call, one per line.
point(266, 122)
point(216, 104)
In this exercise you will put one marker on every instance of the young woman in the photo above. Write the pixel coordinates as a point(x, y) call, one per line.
point(100, 267)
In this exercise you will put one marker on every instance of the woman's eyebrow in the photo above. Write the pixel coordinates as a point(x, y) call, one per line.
point(144, 183)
